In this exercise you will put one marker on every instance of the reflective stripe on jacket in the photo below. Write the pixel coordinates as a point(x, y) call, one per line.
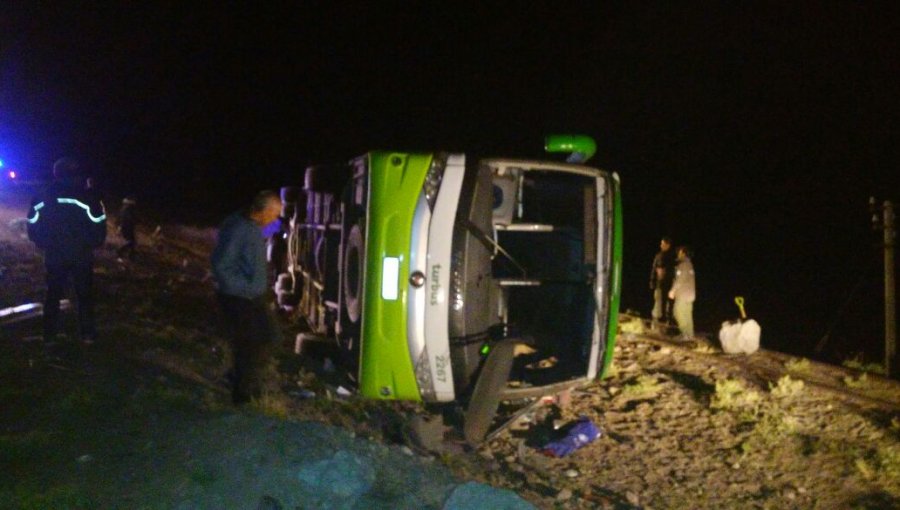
point(67, 223)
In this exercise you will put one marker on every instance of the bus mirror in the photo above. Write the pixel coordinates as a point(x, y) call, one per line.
point(580, 147)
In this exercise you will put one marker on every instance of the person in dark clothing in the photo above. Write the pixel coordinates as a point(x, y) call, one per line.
point(127, 223)
point(662, 274)
point(239, 266)
point(67, 222)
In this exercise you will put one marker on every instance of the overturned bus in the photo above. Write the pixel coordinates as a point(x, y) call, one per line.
point(434, 272)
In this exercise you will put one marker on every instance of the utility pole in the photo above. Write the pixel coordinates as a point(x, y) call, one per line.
point(890, 296)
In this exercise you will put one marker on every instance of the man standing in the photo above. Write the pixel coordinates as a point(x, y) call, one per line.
point(684, 292)
point(239, 266)
point(67, 222)
point(661, 275)
point(127, 224)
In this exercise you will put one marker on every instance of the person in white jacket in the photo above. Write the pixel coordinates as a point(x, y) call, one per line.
point(684, 292)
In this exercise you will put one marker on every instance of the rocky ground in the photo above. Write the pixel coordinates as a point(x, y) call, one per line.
point(142, 420)
point(688, 427)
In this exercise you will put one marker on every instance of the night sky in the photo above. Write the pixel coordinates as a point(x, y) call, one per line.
point(753, 132)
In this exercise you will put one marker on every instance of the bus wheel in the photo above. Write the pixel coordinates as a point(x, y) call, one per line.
point(353, 274)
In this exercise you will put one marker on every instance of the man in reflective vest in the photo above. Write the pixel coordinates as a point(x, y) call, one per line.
point(67, 222)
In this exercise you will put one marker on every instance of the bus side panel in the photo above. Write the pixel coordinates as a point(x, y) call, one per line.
point(395, 183)
point(615, 279)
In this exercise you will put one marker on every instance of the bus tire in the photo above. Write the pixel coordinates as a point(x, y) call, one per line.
point(352, 269)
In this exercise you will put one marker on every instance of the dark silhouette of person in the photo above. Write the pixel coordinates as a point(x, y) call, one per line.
point(67, 222)
point(662, 273)
point(127, 224)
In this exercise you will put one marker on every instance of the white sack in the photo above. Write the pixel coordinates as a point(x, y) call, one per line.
point(748, 340)
point(740, 337)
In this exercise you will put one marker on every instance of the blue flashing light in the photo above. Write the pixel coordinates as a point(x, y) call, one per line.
point(1, 163)
point(12, 174)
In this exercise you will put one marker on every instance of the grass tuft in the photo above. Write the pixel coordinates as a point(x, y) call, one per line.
point(857, 382)
point(644, 386)
point(786, 388)
point(889, 466)
point(798, 366)
point(732, 395)
point(774, 427)
point(858, 364)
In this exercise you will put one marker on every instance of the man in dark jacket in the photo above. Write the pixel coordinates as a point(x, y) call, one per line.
point(661, 276)
point(239, 266)
point(67, 222)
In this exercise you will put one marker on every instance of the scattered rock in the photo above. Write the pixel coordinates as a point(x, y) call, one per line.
point(632, 498)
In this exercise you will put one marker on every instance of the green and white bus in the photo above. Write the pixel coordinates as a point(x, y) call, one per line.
point(449, 279)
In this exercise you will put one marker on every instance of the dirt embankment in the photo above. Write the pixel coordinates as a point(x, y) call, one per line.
point(686, 426)
point(683, 425)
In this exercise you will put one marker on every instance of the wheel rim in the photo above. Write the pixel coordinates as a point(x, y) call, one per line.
point(353, 260)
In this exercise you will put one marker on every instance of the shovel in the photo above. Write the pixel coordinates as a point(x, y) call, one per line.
point(742, 335)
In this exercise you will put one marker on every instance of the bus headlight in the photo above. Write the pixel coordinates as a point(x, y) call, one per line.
point(433, 179)
point(390, 274)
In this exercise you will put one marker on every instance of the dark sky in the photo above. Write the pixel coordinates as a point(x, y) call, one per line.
point(754, 132)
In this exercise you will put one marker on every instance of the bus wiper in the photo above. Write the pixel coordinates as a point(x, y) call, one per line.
point(490, 243)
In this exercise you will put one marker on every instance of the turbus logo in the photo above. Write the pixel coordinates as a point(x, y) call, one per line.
point(435, 284)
